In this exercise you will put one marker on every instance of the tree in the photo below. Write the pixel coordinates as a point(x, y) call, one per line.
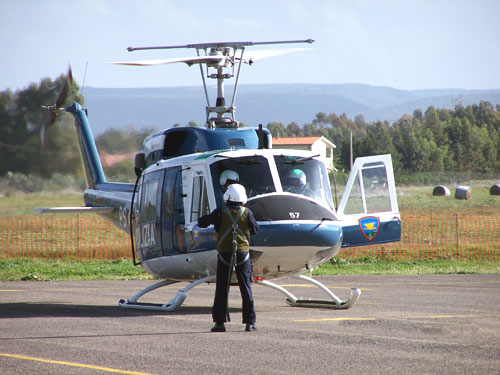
point(293, 129)
point(321, 120)
point(277, 129)
point(432, 122)
point(22, 121)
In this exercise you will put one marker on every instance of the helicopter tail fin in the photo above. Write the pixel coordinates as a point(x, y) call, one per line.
point(94, 173)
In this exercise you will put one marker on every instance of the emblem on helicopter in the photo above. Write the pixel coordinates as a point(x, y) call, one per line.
point(196, 234)
point(369, 227)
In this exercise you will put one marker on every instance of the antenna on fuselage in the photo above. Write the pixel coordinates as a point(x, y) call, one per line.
point(219, 56)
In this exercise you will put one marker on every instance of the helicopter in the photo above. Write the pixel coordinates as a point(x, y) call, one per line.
point(181, 173)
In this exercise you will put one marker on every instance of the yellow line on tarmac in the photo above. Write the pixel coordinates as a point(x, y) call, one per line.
point(450, 316)
point(458, 316)
point(11, 290)
point(333, 319)
point(72, 364)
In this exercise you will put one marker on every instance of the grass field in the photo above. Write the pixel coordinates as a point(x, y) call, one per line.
point(419, 200)
point(58, 270)
point(24, 204)
point(27, 269)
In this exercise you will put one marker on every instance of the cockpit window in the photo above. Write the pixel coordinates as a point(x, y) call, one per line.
point(250, 171)
point(306, 176)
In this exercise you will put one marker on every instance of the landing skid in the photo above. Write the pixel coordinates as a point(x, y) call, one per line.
point(335, 303)
point(172, 305)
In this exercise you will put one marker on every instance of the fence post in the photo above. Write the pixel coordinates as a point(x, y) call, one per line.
point(79, 233)
point(456, 229)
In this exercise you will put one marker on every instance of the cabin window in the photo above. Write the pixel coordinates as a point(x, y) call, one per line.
point(304, 176)
point(199, 200)
point(253, 171)
point(150, 197)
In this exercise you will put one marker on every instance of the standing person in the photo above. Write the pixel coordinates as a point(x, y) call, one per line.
point(238, 222)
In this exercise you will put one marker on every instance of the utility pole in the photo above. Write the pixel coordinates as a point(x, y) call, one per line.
point(350, 153)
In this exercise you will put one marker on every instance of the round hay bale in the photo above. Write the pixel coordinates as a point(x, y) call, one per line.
point(495, 189)
point(441, 191)
point(462, 192)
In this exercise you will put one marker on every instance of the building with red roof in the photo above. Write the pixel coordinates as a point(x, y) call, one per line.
point(320, 145)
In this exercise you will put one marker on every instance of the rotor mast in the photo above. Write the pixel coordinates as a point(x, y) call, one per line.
point(220, 56)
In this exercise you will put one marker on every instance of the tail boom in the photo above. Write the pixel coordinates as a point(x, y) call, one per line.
point(94, 173)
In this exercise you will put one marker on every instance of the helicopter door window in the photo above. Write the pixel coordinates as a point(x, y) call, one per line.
point(370, 191)
point(199, 201)
point(150, 191)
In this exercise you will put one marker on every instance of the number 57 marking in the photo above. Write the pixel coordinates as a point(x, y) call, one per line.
point(294, 215)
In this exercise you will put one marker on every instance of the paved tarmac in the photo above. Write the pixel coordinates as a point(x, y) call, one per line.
point(440, 324)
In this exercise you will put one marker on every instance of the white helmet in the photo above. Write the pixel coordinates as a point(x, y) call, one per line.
point(235, 193)
point(228, 174)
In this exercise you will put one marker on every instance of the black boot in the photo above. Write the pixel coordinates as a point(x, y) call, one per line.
point(250, 327)
point(218, 327)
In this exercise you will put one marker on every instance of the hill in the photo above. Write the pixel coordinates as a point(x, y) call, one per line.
point(111, 107)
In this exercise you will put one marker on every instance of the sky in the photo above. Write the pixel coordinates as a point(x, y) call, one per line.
point(410, 44)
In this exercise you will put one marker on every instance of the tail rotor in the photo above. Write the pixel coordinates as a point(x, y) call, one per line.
point(52, 111)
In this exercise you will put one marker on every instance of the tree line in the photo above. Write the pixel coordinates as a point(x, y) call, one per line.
point(463, 139)
point(21, 123)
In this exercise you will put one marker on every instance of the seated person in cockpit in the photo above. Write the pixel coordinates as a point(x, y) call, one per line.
point(228, 177)
point(295, 182)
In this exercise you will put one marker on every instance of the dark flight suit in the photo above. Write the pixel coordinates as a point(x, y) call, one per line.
point(247, 224)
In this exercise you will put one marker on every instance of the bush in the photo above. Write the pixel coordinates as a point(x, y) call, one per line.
point(19, 182)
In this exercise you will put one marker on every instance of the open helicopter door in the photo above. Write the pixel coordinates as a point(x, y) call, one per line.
point(148, 216)
point(369, 209)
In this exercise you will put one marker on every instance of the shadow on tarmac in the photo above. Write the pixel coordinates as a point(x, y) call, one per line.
point(41, 310)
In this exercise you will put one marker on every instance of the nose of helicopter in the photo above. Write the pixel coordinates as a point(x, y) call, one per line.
point(285, 206)
point(295, 234)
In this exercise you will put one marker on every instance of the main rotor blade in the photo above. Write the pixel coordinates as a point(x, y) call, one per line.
point(188, 60)
point(250, 58)
point(253, 56)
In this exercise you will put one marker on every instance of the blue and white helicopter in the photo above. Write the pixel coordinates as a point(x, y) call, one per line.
point(180, 176)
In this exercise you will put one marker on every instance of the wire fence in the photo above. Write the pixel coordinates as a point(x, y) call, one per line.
point(79, 237)
point(75, 237)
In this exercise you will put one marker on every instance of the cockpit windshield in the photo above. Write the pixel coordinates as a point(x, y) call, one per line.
point(250, 171)
point(306, 176)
